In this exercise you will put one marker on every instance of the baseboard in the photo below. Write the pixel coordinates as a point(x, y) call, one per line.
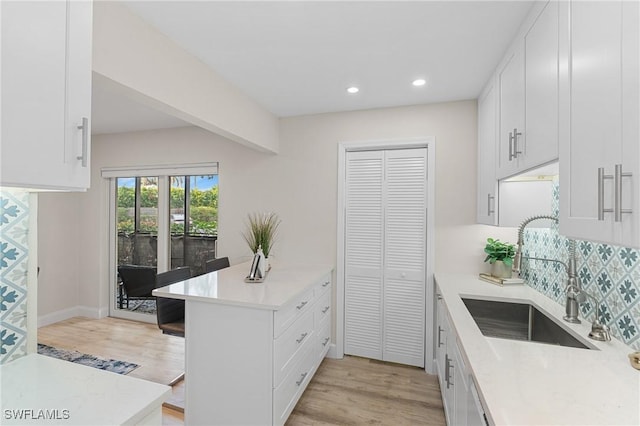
point(76, 311)
point(333, 352)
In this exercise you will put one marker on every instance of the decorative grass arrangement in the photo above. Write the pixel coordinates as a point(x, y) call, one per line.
point(262, 229)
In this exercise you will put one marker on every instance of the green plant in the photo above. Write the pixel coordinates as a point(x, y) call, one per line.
point(498, 250)
point(261, 231)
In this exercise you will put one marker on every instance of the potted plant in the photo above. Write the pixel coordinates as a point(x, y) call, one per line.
point(261, 232)
point(500, 256)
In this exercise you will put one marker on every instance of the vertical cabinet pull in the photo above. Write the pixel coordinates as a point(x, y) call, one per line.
point(617, 183)
point(513, 144)
point(447, 370)
point(617, 209)
point(439, 336)
point(489, 199)
point(85, 141)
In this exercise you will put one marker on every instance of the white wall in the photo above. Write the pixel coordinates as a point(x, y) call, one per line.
point(300, 184)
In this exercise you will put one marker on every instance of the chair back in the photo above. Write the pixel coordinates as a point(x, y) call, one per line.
point(138, 280)
point(216, 264)
point(173, 276)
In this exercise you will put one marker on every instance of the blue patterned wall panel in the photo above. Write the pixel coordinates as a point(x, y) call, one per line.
point(14, 232)
point(609, 273)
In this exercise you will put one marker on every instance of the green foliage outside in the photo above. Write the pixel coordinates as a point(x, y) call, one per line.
point(203, 210)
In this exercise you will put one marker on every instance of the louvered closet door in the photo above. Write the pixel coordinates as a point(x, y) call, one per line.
point(363, 253)
point(405, 256)
point(385, 254)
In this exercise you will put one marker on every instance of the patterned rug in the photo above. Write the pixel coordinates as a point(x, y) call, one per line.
point(113, 365)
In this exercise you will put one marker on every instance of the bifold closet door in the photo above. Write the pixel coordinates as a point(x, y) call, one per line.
point(385, 254)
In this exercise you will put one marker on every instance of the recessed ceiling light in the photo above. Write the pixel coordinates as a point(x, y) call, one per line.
point(353, 89)
point(419, 82)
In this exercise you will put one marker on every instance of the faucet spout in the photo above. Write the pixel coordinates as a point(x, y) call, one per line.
point(517, 259)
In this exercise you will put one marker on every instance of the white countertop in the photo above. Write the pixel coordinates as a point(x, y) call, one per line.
point(226, 286)
point(90, 396)
point(526, 383)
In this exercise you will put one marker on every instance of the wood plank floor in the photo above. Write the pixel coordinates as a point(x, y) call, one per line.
point(350, 391)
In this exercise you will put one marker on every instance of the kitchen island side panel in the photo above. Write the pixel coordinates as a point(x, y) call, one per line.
point(229, 361)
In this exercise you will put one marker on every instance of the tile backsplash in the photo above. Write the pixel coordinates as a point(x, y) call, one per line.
point(609, 273)
point(14, 232)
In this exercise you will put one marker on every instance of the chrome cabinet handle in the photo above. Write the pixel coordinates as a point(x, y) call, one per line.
point(302, 336)
point(300, 306)
point(324, 311)
point(601, 179)
point(326, 340)
point(447, 364)
point(617, 183)
point(302, 376)
point(85, 141)
point(489, 210)
point(326, 283)
point(439, 338)
point(511, 156)
point(516, 133)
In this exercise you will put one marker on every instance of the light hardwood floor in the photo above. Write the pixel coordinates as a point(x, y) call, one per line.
point(349, 391)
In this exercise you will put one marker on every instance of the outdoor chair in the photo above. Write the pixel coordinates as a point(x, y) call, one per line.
point(216, 264)
point(170, 312)
point(137, 281)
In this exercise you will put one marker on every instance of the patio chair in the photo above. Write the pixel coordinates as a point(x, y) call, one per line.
point(216, 264)
point(138, 281)
point(170, 312)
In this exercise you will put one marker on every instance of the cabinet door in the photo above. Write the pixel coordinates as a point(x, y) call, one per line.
point(512, 136)
point(487, 202)
point(541, 87)
point(598, 118)
point(42, 86)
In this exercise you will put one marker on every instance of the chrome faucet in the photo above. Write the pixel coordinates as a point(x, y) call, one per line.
point(573, 290)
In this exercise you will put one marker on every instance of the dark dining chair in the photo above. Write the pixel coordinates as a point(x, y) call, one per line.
point(170, 312)
point(138, 281)
point(216, 264)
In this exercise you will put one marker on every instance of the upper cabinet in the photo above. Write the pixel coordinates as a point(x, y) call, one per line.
point(528, 96)
point(46, 94)
point(487, 183)
point(599, 115)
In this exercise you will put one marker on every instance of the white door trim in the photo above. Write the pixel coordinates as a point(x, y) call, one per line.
point(429, 143)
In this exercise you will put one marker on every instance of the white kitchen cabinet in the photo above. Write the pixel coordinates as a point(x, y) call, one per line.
point(528, 96)
point(459, 397)
point(46, 94)
point(487, 202)
point(599, 115)
point(511, 137)
point(252, 349)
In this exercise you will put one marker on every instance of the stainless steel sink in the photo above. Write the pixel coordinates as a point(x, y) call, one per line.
point(518, 321)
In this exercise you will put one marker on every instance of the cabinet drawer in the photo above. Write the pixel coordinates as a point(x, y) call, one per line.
point(323, 339)
point(323, 308)
point(285, 317)
point(289, 347)
point(324, 284)
point(287, 394)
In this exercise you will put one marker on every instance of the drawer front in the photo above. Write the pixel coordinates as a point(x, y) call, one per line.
point(287, 394)
point(323, 285)
point(285, 317)
point(323, 307)
point(291, 345)
point(323, 339)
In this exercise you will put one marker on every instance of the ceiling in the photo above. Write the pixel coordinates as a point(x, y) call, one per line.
point(299, 57)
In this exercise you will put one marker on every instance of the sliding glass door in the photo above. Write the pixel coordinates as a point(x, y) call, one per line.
point(160, 221)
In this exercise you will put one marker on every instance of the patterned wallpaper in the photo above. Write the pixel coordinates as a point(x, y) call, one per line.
point(14, 229)
point(609, 273)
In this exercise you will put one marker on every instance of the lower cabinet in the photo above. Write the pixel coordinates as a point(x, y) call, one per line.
point(249, 365)
point(459, 395)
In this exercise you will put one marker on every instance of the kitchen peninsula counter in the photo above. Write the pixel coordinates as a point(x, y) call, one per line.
point(252, 348)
